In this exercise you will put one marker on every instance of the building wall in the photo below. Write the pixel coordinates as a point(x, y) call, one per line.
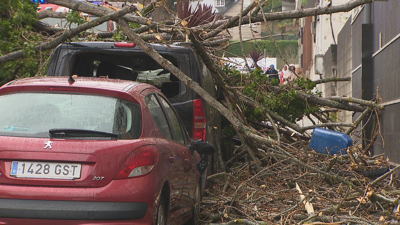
point(323, 26)
point(327, 28)
point(384, 82)
point(356, 54)
point(344, 67)
point(307, 43)
point(356, 22)
point(353, 48)
point(386, 72)
point(330, 65)
point(321, 35)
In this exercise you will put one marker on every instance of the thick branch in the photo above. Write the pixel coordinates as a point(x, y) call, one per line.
point(231, 21)
point(185, 79)
point(216, 72)
point(357, 101)
point(358, 121)
point(68, 34)
point(292, 14)
point(329, 125)
point(332, 79)
point(322, 101)
point(51, 14)
point(96, 10)
point(234, 21)
point(44, 28)
point(329, 103)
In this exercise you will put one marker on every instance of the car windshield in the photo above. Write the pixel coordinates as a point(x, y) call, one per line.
point(35, 114)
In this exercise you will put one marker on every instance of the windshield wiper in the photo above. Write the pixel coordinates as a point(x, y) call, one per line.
point(62, 132)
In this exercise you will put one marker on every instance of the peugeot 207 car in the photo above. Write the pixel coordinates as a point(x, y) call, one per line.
point(95, 151)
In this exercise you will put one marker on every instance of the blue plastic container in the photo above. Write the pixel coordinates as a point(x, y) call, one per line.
point(329, 141)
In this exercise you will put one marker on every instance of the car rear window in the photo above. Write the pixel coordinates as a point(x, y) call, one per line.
point(127, 65)
point(34, 114)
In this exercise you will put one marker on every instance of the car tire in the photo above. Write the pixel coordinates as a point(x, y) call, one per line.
point(196, 208)
point(162, 213)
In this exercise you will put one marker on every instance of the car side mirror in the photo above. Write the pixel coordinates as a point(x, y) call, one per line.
point(202, 147)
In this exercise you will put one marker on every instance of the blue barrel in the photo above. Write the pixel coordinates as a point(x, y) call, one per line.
point(329, 141)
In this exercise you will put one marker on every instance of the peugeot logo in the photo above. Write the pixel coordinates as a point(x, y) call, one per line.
point(48, 144)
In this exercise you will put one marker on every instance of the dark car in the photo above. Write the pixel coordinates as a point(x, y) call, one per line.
point(126, 61)
point(95, 151)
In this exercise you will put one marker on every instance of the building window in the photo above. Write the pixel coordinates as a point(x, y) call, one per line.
point(220, 3)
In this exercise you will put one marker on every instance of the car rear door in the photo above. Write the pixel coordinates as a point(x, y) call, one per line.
point(174, 159)
point(188, 179)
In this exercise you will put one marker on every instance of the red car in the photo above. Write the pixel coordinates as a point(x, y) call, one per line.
point(95, 151)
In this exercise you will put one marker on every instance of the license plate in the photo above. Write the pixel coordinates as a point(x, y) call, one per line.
point(46, 170)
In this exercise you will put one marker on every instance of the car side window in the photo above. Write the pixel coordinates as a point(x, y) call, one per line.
point(179, 131)
point(158, 115)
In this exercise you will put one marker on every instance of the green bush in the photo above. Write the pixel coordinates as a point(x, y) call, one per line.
point(272, 51)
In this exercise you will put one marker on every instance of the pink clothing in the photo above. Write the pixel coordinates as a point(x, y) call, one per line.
point(282, 77)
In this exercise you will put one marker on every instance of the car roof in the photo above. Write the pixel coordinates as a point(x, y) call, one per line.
point(177, 47)
point(105, 84)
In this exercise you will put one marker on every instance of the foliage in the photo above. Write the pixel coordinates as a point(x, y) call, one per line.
point(273, 6)
point(134, 25)
point(17, 33)
point(120, 36)
point(74, 17)
point(202, 14)
point(286, 104)
point(255, 56)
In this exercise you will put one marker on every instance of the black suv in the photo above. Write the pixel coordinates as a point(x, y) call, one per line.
point(117, 60)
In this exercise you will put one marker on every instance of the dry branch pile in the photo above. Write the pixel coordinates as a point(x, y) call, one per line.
point(285, 192)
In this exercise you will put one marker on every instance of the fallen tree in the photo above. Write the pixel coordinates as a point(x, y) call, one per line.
point(277, 156)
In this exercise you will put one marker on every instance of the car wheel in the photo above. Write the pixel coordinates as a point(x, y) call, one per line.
point(162, 213)
point(196, 208)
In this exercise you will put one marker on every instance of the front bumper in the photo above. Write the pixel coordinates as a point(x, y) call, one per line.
point(71, 210)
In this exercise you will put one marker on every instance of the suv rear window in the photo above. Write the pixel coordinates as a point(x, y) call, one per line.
point(34, 114)
point(128, 65)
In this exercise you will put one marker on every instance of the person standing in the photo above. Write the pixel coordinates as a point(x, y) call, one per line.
point(272, 73)
point(289, 76)
point(284, 70)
